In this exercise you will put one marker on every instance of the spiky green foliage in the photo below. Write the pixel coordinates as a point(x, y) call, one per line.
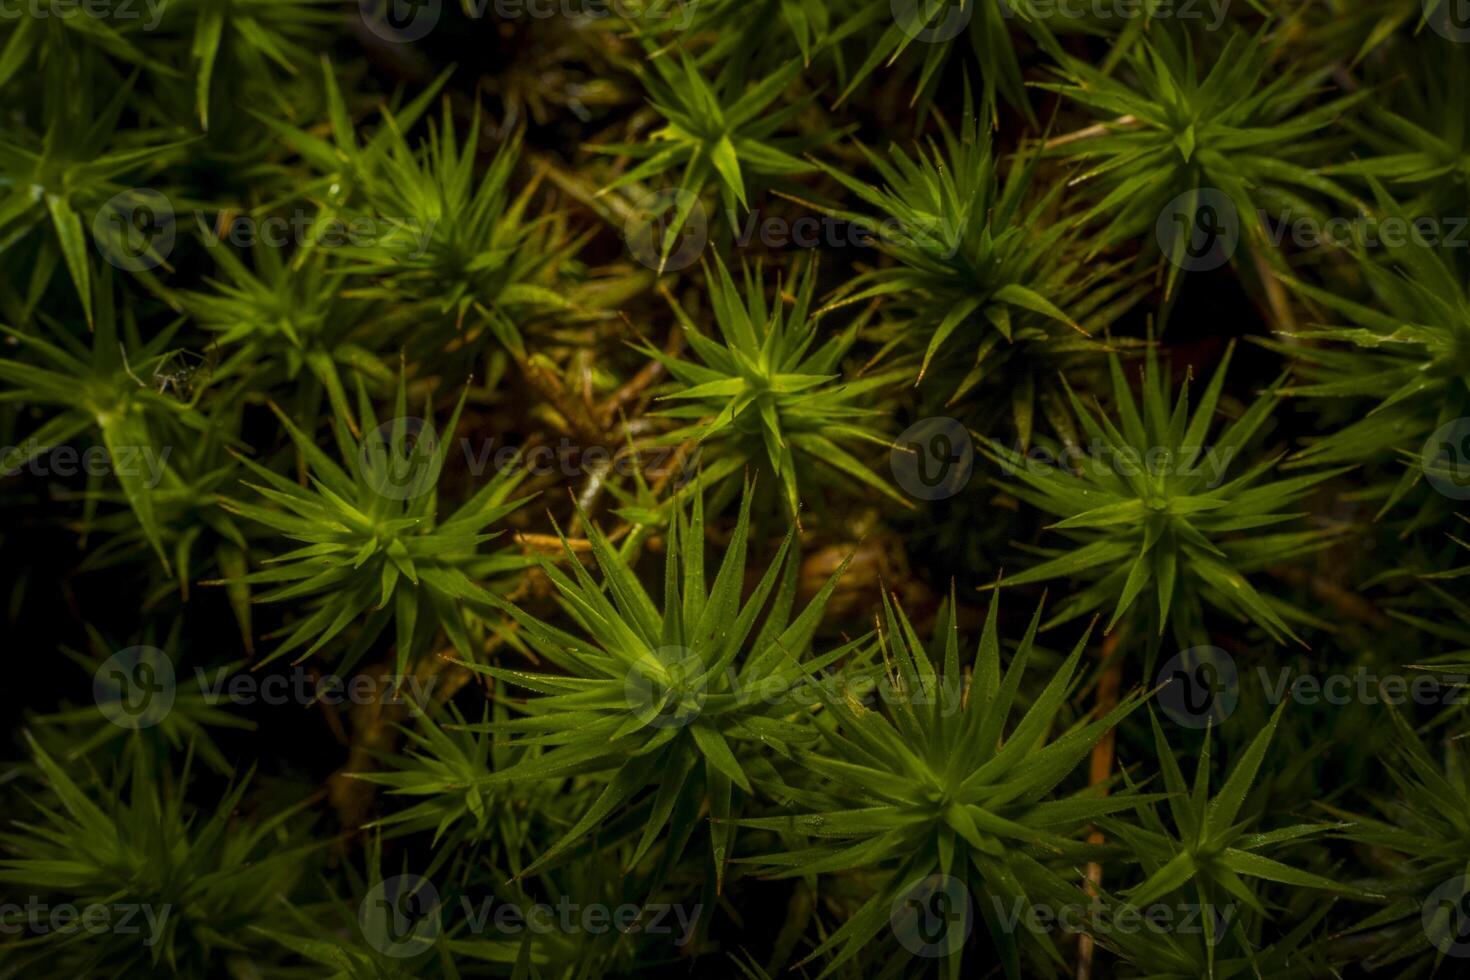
point(980, 268)
point(96, 385)
point(443, 767)
point(1204, 850)
point(74, 179)
point(1154, 517)
point(372, 548)
point(244, 245)
point(716, 131)
point(944, 780)
point(61, 37)
point(673, 695)
point(767, 387)
point(1418, 835)
point(193, 712)
point(1404, 343)
point(930, 30)
point(291, 318)
point(447, 241)
point(194, 879)
point(342, 161)
point(1420, 143)
point(1168, 954)
point(1429, 614)
point(1169, 126)
point(866, 40)
point(808, 28)
point(250, 40)
point(395, 924)
point(1356, 34)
